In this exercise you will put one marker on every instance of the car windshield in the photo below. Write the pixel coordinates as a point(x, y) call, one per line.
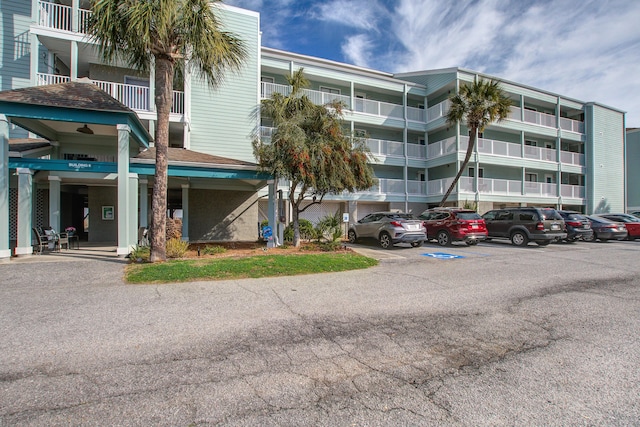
point(576, 217)
point(468, 215)
point(550, 214)
point(401, 216)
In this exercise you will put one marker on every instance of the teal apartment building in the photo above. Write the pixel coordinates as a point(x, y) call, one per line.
point(551, 151)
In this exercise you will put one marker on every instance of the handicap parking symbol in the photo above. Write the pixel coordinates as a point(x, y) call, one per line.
point(442, 255)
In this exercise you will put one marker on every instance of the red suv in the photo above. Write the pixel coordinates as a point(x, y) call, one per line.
point(447, 225)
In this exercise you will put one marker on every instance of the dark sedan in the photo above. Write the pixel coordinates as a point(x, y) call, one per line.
point(604, 229)
point(631, 222)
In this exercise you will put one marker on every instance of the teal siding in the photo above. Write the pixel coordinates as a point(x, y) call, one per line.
point(14, 49)
point(633, 171)
point(223, 120)
point(605, 159)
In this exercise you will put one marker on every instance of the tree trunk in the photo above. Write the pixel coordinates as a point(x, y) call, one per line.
point(295, 215)
point(164, 69)
point(467, 157)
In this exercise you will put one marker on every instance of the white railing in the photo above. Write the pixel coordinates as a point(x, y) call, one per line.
point(438, 186)
point(416, 114)
point(571, 125)
point(266, 133)
point(59, 17)
point(417, 151)
point(441, 148)
point(572, 191)
point(547, 120)
point(504, 187)
point(571, 158)
point(322, 98)
point(381, 147)
point(539, 153)
point(493, 147)
point(438, 110)
point(378, 108)
point(540, 189)
point(133, 96)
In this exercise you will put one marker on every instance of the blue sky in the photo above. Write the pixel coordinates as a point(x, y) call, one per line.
point(584, 49)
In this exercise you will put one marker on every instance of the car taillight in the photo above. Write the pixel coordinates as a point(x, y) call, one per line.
point(396, 224)
point(573, 223)
point(540, 226)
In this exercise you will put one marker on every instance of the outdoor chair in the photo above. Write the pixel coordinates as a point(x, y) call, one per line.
point(44, 241)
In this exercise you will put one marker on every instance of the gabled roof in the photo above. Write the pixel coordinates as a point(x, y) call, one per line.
point(76, 95)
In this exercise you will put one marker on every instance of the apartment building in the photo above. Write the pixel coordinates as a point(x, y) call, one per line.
point(632, 156)
point(551, 151)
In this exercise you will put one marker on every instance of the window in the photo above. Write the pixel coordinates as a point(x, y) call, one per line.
point(267, 79)
point(531, 177)
point(472, 172)
point(530, 142)
point(332, 90)
point(360, 133)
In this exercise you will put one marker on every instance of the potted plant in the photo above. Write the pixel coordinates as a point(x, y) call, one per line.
point(71, 230)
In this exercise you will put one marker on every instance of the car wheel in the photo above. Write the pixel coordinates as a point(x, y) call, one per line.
point(416, 244)
point(352, 236)
point(385, 241)
point(443, 238)
point(472, 242)
point(519, 239)
point(546, 242)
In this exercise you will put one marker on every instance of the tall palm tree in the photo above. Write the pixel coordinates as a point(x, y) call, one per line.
point(481, 103)
point(167, 34)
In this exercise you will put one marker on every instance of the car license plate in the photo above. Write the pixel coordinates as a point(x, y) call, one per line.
point(555, 226)
point(412, 227)
point(474, 225)
point(587, 226)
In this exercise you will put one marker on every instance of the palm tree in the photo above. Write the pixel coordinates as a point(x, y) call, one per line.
point(481, 103)
point(170, 34)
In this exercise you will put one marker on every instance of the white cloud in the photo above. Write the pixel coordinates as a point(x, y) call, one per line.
point(357, 49)
point(359, 14)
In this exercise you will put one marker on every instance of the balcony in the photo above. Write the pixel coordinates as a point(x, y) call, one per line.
point(366, 106)
point(506, 149)
point(437, 111)
point(133, 96)
point(546, 120)
point(396, 187)
point(59, 17)
point(506, 187)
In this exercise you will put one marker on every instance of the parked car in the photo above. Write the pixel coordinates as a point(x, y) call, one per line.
point(447, 225)
point(604, 229)
point(578, 226)
point(525, 224)
point(389, 228)
point(635, 213)
point(632, 223)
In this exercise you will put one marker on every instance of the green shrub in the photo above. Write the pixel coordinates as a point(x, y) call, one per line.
point(307, 232)
point(176, 248)
point(214, 249)
point(330, 227)
point(140, 254)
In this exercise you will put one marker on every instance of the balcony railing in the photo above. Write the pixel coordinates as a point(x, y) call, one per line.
point(397, 187)
point(438, 110)
point(133, 96)
point(502, 148)
point(506, 187)
point(546, 120)
point(367, 106)
point(59, 17)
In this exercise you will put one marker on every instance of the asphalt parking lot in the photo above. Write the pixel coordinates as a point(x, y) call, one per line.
point(505, 335)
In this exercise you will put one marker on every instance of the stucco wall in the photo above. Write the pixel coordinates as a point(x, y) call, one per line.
point(217, 215)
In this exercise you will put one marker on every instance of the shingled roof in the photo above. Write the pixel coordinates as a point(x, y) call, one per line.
point(77, 95)
point(25, 144)
point(183, 155)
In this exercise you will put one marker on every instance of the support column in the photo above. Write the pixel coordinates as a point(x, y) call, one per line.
point(124, 223)
point(185, 212)
point(54, 202)
point(5, 251)
point(25, 209)
point(73, 66)
point(143, 221)
point(272, 212)
point(132, 211)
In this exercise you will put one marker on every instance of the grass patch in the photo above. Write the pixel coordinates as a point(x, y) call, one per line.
point(187, 270)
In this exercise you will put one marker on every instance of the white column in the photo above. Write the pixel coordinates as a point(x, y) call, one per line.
point(25, 208)
point(73, 66)
point(123, 192)
point(132, 210)
point(75, 4)
point(144, 203)
point(185, 212)
point(54, 202)
point(186, 142)
point(5, 251)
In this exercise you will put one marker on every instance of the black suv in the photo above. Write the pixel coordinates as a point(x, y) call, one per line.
point(578, 226)
point(522, 225)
